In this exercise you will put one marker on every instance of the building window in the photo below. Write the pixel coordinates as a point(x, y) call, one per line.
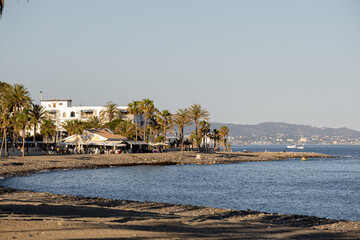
point(72, 114)
point(60, 104)
point(64, 114)
point(54, 104)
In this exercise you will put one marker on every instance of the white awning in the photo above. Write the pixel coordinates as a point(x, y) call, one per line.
point(136, 142)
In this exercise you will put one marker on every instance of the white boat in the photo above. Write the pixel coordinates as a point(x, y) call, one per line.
point(300, 147)
point(292, 146)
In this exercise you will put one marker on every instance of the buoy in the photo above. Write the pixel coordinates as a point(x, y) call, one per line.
point(304, 159)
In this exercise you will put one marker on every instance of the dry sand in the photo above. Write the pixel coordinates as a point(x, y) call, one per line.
point(31, 215)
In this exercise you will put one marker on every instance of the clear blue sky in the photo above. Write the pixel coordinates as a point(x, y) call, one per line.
point(247, 62)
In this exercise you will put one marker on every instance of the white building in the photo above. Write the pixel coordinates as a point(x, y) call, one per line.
point(61, 110)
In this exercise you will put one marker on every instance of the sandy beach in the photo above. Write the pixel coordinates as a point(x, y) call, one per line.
point(32, 215)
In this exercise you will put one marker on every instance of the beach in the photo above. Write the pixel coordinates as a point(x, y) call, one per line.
point(32, 215)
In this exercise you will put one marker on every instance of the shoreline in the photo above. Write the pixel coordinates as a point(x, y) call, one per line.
point(18, 166)
point(42, 214)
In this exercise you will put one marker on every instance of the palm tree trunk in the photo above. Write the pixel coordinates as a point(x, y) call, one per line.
point(23, 143)
point(47, 145)
point(182, 139)
point(6, 153)
point(2, 144)
point(136, 132)
point(34, 133)
point(164, 133)
point(196, 135)
point(145, 130)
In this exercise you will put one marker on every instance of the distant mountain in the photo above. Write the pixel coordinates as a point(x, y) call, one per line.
point(277, 128)
point(285, 133)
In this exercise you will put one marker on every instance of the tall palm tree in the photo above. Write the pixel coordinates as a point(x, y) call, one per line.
point(164, 118)
point(37, 115)
point(198, 113)
point(215, 137)
point(204, 130)
point(182, 119)
point(133, 108)
point(5, 123)
point(17, 97)
point(110, 112)
point(223, 132)
point(148, 109)
point(154, 129)
point(22, 120)
point(14, 98)
point(47, 129)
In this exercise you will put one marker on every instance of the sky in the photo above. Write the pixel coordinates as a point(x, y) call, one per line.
point(246, 62)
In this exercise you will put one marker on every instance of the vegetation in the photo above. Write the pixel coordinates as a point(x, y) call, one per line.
point(223, 133)
point(110, 112)
point(37, 116)
point(94, 122)
point(19, 114)
point(47, 129)
point(198, 113)
point(182, 119)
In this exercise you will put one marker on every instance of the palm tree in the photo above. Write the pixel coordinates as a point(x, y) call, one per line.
point(182, 119)
point(17, 96)
point(110, 112)
point(47, 129)
point(37, 115)
point(215, 137)
point(223, 132)
point(3, 86)
point(204, 131)
point(94, 122)
point(126, 128)
point(148, 109)
point(22, 120)
point(1, 6)
point(133, 108)
point(5, 123)
point(68, 125)
point(164, 118)
point(154, 128)
point(79, 127)
point(198, 113)
point(74, 127)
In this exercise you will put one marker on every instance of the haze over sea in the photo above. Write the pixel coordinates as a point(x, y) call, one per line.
point(318, 187)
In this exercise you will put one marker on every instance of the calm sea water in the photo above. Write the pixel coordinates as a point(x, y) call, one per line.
point(318, 187)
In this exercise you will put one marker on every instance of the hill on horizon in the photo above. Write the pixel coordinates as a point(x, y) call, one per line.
point(279, 128)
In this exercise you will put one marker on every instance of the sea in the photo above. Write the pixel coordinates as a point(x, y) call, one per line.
point(321, 187)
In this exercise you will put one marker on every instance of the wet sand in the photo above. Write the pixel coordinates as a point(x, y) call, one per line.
point(31, 215)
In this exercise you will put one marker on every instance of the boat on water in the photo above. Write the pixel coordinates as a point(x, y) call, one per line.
point(300, 147)
point(292, 146)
